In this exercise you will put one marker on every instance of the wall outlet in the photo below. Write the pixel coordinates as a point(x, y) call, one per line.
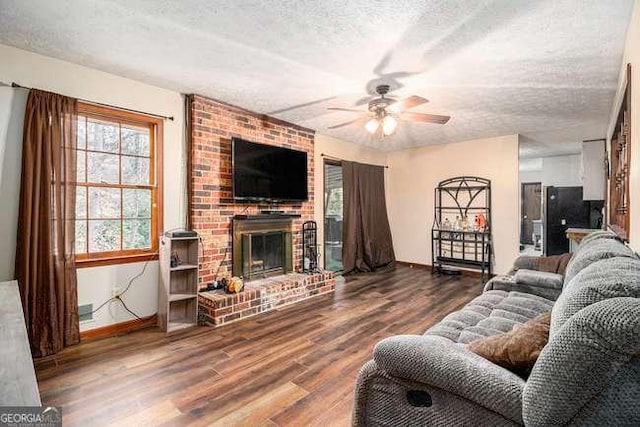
point(115, 291)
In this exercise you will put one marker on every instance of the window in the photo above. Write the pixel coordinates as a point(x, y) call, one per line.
point(118, 194)
point(333, 214)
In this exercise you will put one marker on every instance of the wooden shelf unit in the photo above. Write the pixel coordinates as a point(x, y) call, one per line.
point(178, 291)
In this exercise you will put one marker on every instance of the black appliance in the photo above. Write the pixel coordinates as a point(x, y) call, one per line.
point(266, 173)
point(564, 208)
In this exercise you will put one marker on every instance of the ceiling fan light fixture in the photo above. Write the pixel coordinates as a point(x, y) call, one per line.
point(389, 125)
point(382, 114)
point(372, 125)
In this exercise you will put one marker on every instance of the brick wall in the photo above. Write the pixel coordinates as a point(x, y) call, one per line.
point(212, 207)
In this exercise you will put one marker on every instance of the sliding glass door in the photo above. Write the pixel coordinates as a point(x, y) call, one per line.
point(332, 215)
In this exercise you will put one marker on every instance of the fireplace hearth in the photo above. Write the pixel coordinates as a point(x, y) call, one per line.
point(262, 247)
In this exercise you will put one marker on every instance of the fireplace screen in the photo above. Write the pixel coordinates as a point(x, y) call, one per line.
point(263, 253)
point(262, 248)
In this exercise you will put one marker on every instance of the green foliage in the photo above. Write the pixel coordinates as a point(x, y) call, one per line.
point(111, 218)
point(334, 204)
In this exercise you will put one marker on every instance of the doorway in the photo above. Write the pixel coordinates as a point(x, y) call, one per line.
point(531, 210)
point(333, 215)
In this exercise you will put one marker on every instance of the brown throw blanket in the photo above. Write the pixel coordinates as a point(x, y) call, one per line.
point(553, 264)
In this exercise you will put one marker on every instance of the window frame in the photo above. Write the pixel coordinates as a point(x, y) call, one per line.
point(155, 125)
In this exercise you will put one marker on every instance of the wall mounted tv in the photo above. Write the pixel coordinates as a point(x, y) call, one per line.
point(267, 173)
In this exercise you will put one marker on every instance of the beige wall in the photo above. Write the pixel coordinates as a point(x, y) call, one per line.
point(12, 106)
point(414, 174)
point(341, 150)
point(95, 284)
point(632, 55)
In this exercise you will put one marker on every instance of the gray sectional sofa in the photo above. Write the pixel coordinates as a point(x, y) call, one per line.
point(587, 374)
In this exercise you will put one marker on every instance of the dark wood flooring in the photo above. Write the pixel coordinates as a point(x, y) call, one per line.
point(295, 366)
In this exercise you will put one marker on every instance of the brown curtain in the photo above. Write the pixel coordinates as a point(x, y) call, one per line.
point(45, 267)
point(367, 244)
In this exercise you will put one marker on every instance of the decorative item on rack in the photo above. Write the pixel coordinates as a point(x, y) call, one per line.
point(310, 252)
point(481, 222)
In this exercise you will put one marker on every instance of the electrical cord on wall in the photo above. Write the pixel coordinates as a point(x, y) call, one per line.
point(226, 251)
point(127, 308)
point(118, 297)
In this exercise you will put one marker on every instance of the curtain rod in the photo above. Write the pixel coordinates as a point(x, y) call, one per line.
point(160, 116)
point(342, 160)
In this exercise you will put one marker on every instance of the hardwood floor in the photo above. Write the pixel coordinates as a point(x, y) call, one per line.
point(295, 366)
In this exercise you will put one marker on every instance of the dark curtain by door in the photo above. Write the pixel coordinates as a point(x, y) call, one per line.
point(45, 267)
point(367, 244)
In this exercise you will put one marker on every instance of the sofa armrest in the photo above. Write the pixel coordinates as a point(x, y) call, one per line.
point(451, 367)
point(524, 262)
point(542, 279)
point(509, 284)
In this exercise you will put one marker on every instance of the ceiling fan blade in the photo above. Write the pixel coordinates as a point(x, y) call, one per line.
point(363, 101)
point(345, 109)
point(295, 107)
point(361, 119)
point(410, 102)
point(425, 118)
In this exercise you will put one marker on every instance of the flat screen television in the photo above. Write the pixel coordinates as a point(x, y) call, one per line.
point(266, 173)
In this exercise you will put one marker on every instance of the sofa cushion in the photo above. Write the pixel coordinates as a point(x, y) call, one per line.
point(542, 279)
point(588, 372)
point(610, 278)
point(554, 263)
point(493, 312)
point(529, 262)
point(518, 349)
point(593, 251)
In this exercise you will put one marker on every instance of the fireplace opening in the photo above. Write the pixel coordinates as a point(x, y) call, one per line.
point(262, 248)
point(267, 252)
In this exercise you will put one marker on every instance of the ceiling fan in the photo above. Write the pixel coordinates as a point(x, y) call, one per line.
point(384, 113)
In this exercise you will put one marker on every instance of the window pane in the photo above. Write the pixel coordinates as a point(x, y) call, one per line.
point(103, 136)
point(103, 168)
point(104, 202)
point(82, 132)
point(81, 202)
point(137, 234)
point(81, 164)
point(81, 237)
point(135, 170)
point(136, 203)
point(135, 140)
point(104, 235)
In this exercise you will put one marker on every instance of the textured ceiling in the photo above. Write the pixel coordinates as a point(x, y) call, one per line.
point(546, 69)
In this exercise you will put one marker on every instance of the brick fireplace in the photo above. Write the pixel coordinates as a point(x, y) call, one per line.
point(211, 205)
